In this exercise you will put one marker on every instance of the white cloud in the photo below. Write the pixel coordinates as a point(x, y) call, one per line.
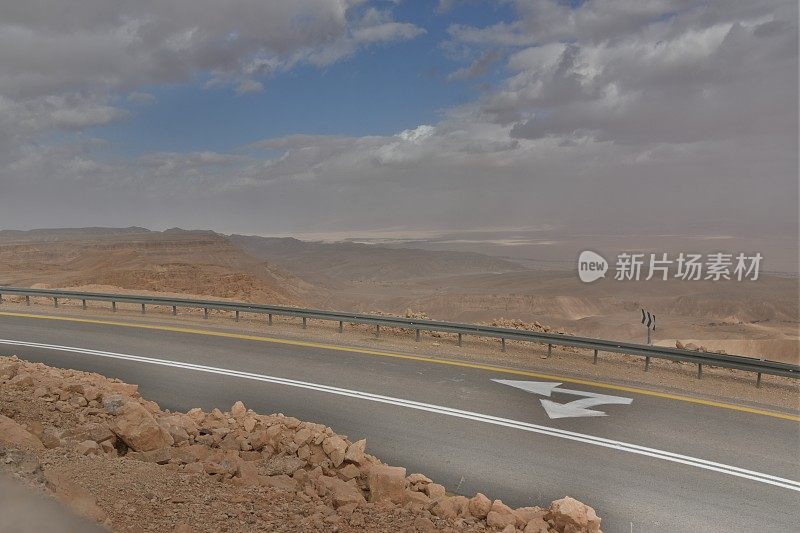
point(141, 98)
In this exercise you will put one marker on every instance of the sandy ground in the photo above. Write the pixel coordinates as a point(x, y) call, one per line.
point(759, 319)
point(716, 384)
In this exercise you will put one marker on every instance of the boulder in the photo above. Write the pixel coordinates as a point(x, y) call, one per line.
point(445, 508)
point(91, 431)
point(342, 492)
point(500, 516)
point(160, 456)
point(537, 525)
point(568, 515)
point(238, 410)
point(479, 506)
point(387, 483)
point(13, 435)
point(419, 478)
point(138, 429)
point(335, 447)
point(349, 472)
point(355, 452)
point(88, 447)
point(527, 514)
point(435, 491)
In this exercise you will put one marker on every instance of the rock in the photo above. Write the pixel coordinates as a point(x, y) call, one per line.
point(280, 482)
point(8, 370)
point(418, 478)
point(138, 429)
point(342, 492)
point(349, 472)
point(335, 447)
point(479, 506)
point(238, 410)
point(113, 403)
point(418, 498)
point(500, 516)
point(386, 483)
point(160, 456)
point(283, 465)
point(249, 424)
point(679, 345)
point(248, 472)
point(537, 525)
point(355, 452)
point(435, 491)
point(13, 435)
point(74, 496)
point(91, 431)
point(50, 440)
point(570, 515)
point(526, 514)
point(21, 381)
point(88, 447)
point(302, 436)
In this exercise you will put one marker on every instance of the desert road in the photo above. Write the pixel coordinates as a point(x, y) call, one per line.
point(645, 462)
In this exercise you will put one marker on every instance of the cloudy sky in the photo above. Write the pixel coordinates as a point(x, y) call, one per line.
point(270, 116)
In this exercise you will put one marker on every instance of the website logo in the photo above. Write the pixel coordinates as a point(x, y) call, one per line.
point(591, 266)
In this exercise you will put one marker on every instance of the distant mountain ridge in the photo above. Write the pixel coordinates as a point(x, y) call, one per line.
point(355, 261)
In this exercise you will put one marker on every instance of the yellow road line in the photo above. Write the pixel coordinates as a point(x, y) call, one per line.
point(366, 351)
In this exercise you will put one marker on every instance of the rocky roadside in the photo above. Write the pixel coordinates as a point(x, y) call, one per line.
point(118, 459)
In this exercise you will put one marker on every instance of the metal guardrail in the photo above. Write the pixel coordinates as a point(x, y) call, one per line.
point(748, 364)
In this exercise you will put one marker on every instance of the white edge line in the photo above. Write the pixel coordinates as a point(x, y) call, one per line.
point(479, 417)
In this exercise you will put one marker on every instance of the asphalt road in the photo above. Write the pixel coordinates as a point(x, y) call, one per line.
point(501, 440)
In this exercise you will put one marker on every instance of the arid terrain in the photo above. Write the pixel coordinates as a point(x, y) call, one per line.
point(757, 318)
point(118, 459)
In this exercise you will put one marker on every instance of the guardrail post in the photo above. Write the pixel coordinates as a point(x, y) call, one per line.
point(27, 300)
point(1, 297)
point(549, 350)
point(55, 302)
point(594, 361)
point(417, 339)
point(341, 326)
point(699, 370)
point(646, 364)
point(459, 339)
point(377, 330)
point(174, 309)
point(114, 306)
point(143, 310)
point(83, 304)
point(205, 312)
point(304, 323)
point(503, 345)
point(758, 380)
point(270, 318)
point(237, 316)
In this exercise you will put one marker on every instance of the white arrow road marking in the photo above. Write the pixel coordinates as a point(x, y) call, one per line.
point(753, 475)
point(572, 409)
